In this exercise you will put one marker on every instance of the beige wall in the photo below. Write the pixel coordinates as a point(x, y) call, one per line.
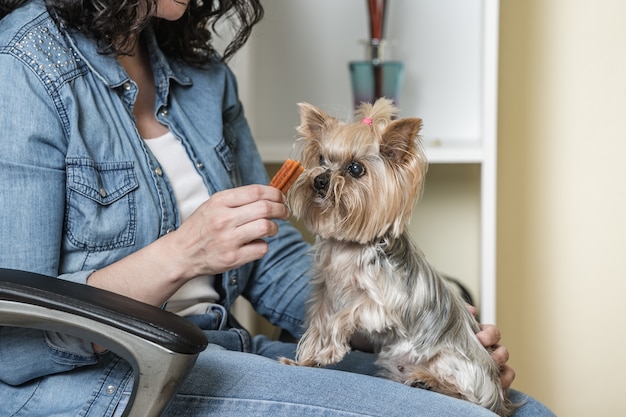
point(562, 201)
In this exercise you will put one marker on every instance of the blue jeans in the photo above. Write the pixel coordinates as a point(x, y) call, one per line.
point(237, 382)
point(238, 376)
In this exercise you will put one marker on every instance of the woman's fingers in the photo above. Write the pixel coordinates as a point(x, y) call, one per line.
point(507, 376)
point(227, 231)
point(489, 335)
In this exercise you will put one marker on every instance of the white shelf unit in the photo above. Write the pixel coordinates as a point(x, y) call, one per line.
point(300, 52)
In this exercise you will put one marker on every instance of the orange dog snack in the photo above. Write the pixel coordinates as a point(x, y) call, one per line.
point(287, 175)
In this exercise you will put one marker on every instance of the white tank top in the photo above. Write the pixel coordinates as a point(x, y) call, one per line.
point(199, 293)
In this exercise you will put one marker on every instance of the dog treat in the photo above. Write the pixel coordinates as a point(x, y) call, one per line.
point(287, 175)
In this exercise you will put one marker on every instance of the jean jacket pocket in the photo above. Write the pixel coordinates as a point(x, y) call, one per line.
point(101, 209)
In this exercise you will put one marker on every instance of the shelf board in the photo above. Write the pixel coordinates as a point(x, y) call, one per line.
point(450, 151)
point(438, 151)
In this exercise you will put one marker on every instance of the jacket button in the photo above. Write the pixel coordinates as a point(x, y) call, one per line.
point(103, 192)
point(110, 389)
point(158, 171)
point(127, 86)
point(233, 280)
point(164, 112)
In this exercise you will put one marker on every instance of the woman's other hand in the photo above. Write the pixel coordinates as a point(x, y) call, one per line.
point(489, 336)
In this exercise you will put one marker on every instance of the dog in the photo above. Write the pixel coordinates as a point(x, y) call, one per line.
point(360, 183)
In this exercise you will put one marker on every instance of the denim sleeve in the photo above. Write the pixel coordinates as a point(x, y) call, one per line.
point(32, 185)
point(32, 172)
point(26, 354)
point(278, 285)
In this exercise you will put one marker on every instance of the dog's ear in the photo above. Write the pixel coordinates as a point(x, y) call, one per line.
point(398, 139)
point(313, 121)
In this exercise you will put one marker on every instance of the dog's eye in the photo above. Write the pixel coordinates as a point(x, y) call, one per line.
point(356, 169)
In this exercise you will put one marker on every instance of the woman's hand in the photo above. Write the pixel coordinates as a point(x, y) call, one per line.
point(227, 230)
point(489, 337)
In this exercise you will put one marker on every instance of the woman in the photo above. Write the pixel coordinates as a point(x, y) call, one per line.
point(126, 164)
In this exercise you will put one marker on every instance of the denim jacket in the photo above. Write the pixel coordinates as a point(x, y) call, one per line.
point(80, 190)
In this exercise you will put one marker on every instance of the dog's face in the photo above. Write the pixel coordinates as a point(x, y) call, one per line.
point(362, 179)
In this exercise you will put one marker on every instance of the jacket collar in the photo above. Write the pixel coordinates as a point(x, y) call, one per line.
point(110, 71)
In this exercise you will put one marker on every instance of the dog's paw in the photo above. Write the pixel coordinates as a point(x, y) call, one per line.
point(309, 363)
point(286, 361)
point(329, 358)
point(321, 354)
point(332, 354)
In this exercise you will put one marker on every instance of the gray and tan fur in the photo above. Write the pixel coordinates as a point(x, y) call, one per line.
point(357, 193)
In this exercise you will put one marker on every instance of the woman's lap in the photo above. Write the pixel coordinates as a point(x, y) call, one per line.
point(229, 382)
point(247, 381)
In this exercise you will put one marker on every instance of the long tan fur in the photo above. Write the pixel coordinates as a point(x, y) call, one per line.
point(357, 192)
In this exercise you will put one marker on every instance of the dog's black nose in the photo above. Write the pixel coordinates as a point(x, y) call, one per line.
point(321, 182)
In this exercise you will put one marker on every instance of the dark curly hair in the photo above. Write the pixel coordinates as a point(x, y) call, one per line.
point(112, 23)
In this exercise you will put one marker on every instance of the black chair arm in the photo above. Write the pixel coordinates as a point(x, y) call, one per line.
point(162, 347)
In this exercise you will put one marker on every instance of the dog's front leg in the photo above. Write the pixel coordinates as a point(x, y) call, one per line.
point(325, 342)
point(328, 341)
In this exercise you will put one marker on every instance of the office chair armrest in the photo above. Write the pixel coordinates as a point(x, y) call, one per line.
point(162, 347)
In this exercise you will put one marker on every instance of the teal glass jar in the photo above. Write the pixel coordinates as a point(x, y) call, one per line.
point(372, 80)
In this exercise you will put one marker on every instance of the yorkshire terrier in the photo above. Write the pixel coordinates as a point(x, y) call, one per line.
point(360, 184)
